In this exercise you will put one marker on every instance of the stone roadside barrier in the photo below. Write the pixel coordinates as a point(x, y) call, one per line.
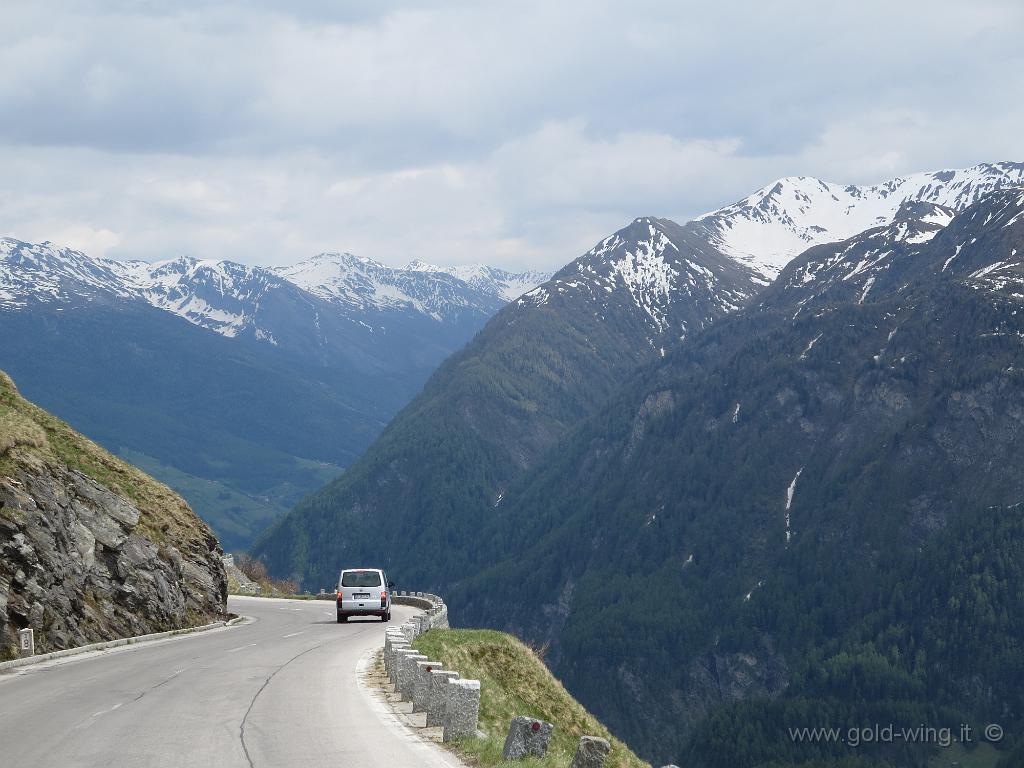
point(591, 752)
point(437, 700)
point(394, 640)
point(421, 684)
point(449, 702)
point(527, 737)
point(407, 672)
point(462, 709)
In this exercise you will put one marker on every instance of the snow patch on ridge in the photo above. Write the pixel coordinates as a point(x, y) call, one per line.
point(778, 222)
point(789, 503)
point(647, 276)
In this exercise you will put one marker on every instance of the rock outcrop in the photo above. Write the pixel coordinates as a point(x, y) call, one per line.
point(92, 549)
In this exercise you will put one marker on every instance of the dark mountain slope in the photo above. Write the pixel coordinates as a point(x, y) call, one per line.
point(786, 521)
point(540, 366)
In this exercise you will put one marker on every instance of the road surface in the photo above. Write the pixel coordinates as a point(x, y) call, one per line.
point(279, 691)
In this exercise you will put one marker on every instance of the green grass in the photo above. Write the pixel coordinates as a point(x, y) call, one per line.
point(514, 681)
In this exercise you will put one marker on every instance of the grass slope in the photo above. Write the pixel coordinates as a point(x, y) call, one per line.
point(165, 517)
point(514, 681)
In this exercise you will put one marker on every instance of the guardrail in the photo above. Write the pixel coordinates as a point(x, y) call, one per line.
point(436, 612)
point(447, 699)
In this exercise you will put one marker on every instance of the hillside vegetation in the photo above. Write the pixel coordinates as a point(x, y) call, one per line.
point(91, 548)
point(489, 413)
point(807, 516)
point(514, 681)
point(166, 518)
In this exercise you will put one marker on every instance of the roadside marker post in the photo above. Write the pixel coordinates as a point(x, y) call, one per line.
point(27, 642)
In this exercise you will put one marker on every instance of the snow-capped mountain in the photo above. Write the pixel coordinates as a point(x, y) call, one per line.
point(985, 246)
point(982, 246)
point(362, 284)
point(770, 227)
point(670, 279)
point(278, 379)
point(222, 296)
point(877, 259)
point(45, 273)
point(679, 278)
point(490, 280)
point(236, 299)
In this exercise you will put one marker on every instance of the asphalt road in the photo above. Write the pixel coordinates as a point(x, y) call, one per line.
point(279, 691)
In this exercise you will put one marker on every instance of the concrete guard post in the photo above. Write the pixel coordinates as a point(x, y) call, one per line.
point(407, 673)
point(395, 658)
point(421, 684)
point(437, 697)
point(392, 639)
point(462, 709)
point(447, 700)
point(391, 659)
point(400, 654)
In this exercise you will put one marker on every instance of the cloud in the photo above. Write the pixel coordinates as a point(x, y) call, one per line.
point(516, 133)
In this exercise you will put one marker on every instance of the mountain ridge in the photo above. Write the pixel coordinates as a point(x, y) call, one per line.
point(489, 412)
point(631, 298)
point(779, 476)
point(774, 224)
point(223, 295)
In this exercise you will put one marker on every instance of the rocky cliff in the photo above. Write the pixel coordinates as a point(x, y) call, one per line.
point(91, 548)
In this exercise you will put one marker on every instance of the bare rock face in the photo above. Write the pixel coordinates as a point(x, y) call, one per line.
point(81, 562)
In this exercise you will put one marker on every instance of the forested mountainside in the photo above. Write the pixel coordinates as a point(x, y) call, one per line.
point(539, 367)
point(92, 549)
point(528, 448)
point(552, 357)
point(807, 515)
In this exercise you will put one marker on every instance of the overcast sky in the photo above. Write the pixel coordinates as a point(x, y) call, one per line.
point(513, 133)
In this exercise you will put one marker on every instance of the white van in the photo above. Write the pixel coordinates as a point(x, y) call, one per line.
point(364, 592)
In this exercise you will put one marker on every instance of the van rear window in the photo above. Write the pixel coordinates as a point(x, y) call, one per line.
point(360, 579)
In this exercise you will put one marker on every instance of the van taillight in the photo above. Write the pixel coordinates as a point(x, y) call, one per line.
point(339, 594)
point(383, 595)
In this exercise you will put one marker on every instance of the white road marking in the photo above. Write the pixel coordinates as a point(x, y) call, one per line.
point(241, 647)
point(293, 634)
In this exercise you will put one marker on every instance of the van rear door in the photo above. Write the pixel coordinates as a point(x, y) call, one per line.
point(360, 590)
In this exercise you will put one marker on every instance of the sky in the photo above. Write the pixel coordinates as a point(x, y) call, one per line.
point(513, 133)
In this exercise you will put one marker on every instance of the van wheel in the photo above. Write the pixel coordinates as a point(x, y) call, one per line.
point(386, 616)
point(342, 618)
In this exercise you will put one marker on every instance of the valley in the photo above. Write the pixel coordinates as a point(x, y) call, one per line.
point(243, 390)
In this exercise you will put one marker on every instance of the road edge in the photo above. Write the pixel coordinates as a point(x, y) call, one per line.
point(436, 754)
point(136, 640)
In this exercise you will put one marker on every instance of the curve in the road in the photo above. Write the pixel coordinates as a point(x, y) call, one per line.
point(278, 691)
